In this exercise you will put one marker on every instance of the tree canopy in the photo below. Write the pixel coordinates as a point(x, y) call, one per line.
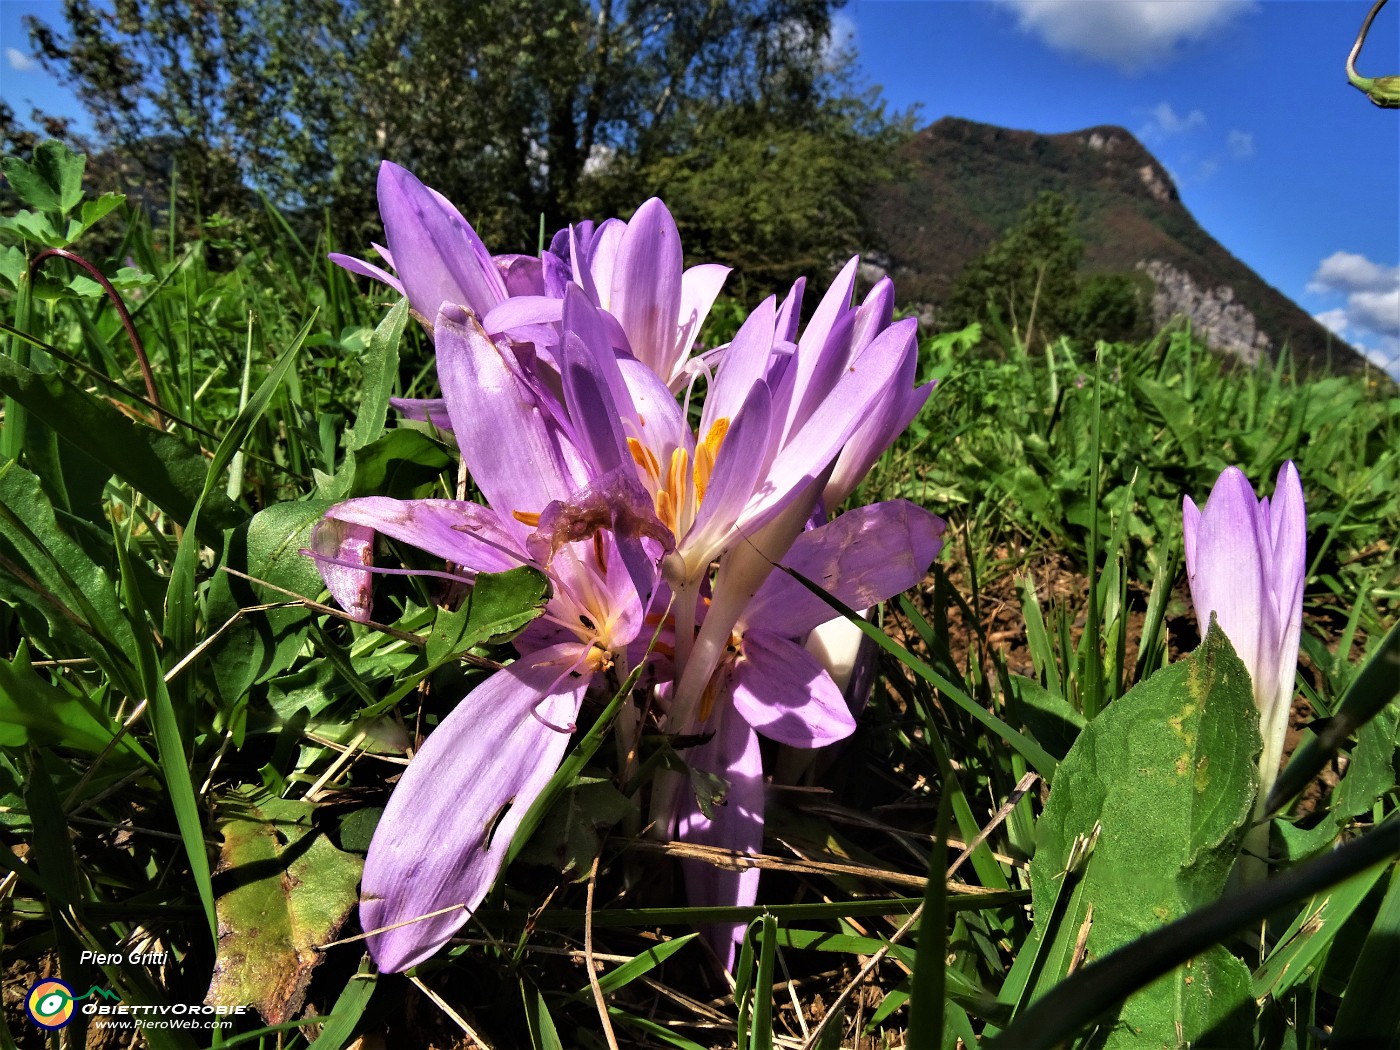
point(518, 109)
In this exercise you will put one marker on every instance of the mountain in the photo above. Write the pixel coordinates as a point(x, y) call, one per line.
point(963, 184)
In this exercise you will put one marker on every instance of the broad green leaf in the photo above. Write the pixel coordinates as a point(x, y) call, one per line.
point(12, 264)
point(62, 594)
point(381, 371)
point(264, 643)
point(94, 210)
point(52, 181)
point(567, 840)
point(403, 463)
point(34, 226)
point(1050, 718)
point(34, 711)
point(288, 890)
point(1168, 773)
point(498, 606)
point(156, 464)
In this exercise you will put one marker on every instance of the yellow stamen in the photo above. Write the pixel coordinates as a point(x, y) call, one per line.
point(666, 509)
point(644, 458)
point(705, 455)
point(526, 517)
point(676, 476)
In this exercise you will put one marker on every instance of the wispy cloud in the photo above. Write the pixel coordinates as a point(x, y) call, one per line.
point(1240, 144)
point(1132, 35)
point(1164, 122)
point(19, 61)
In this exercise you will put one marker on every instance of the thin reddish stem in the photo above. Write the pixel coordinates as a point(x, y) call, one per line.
point(117, 301)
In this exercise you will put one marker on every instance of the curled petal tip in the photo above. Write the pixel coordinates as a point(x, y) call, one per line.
point(452, 313)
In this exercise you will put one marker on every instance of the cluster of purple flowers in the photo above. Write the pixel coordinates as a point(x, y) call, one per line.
point(562, 382)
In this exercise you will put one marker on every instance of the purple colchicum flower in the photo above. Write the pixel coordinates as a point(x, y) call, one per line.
point(1245, 561)
point(559, 378)
point(449, 822)
point(769, 684)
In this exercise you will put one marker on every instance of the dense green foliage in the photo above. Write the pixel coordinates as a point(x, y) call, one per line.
point(531, 112)
point(192, 760)
point(1031, 277)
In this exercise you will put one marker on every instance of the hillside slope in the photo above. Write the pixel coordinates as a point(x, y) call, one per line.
point(965, 183)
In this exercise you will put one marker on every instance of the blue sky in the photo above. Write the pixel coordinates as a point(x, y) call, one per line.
point(1244, 101)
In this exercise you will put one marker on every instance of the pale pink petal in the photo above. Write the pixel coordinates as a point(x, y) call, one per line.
point(784, 693)
point(519, 460)
point(444, 834)
point(366, 269)
point(733, 754)
point(863, 557)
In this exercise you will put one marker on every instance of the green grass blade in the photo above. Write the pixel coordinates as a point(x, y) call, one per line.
point(170, 748)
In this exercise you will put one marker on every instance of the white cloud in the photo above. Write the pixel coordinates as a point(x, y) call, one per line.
point(1385, 356)
point(1132, 35)
point(1370, 318)
point(1349, 272)
point(19, 61)
point(1165, 122)
point(1240, 144)
point(1378, 312)
point(1334, 320)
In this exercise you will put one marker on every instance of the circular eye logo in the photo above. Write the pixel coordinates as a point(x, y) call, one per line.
point(50, 1004)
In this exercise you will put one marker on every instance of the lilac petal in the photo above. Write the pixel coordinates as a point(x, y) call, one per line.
point(339, 546)
point(861, 558)
point(595, 260)
point(652, 414)
point(822, 351)
point(745, 363)
point(521, 274)
point(886, 421)
point(645, 289)
point(366, 269)
point(426, 410)
point(875, 314)
point(1289, 541)
point(789, 314)
point(533, 312)
point(1225, 568)
point(811, 450)
point(785, 694)
point(442, 260)
point(700, 286)
point(743, 455)
point(465, 533)
point(594, 388)
point(732, 753)
point(519, 461)
point(445, 832)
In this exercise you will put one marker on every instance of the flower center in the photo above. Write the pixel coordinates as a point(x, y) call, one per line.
point(680, 488)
